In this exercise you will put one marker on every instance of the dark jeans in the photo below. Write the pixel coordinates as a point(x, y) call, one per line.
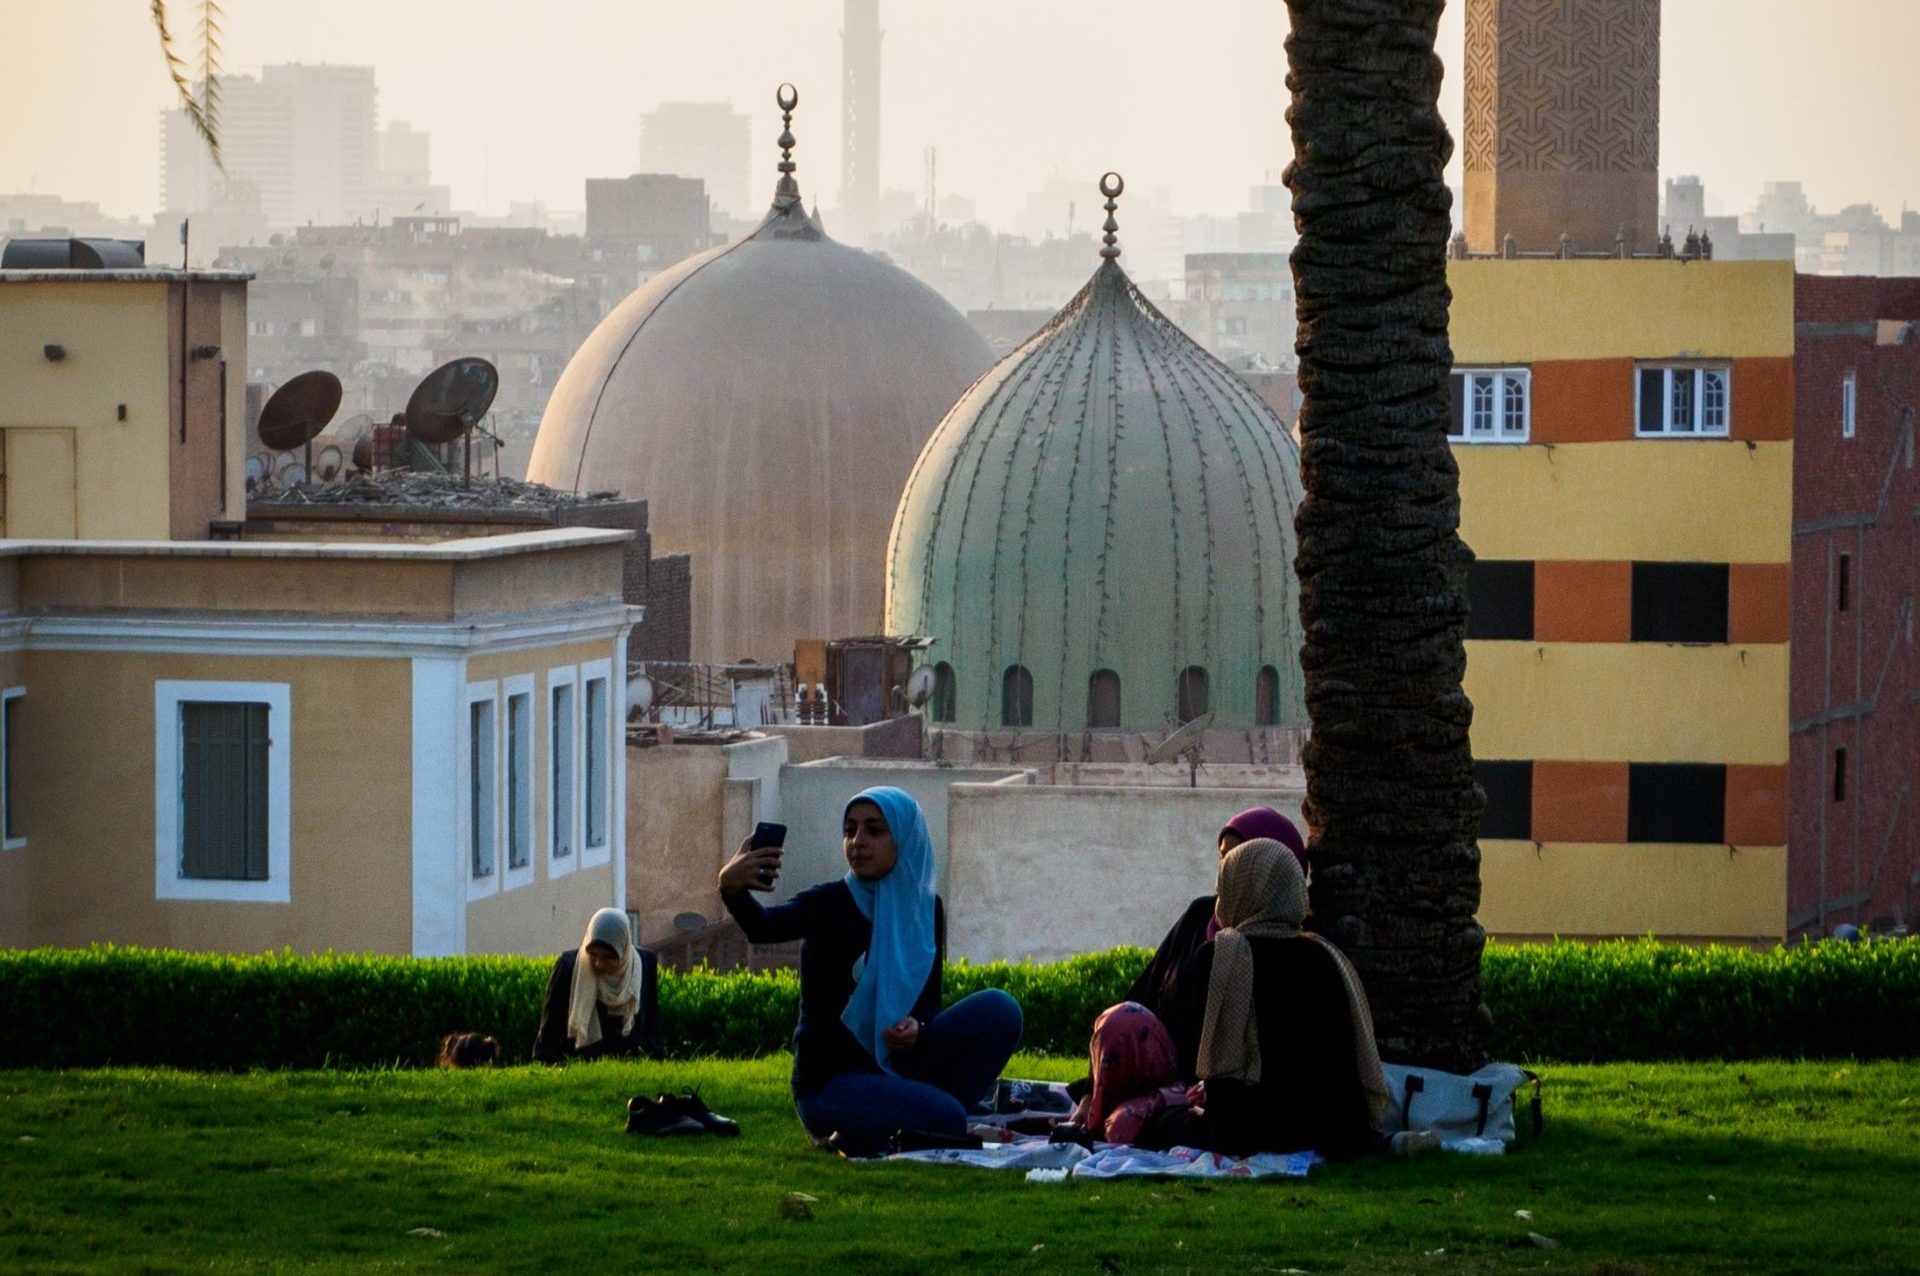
point(954, 1065)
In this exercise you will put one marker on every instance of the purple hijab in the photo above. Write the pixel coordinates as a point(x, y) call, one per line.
point(1263, 821)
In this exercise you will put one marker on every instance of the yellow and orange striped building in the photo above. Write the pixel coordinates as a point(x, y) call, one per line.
point(1624, 431)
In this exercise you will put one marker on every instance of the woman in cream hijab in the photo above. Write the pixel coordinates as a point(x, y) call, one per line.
point(1275, 1023)
point(604, 997)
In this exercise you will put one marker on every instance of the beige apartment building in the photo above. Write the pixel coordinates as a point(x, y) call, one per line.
point(400, 744)
point(370, 748)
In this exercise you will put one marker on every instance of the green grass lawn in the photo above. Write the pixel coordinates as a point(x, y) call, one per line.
point(1666, 1169)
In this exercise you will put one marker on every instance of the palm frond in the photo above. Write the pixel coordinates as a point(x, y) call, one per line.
point(210, 19)
point(205, 122)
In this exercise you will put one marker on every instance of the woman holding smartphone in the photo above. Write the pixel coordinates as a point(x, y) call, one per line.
point(874, 1053)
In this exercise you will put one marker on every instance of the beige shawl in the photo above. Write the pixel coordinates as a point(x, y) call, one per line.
point(1262, 894)
point(619, 991)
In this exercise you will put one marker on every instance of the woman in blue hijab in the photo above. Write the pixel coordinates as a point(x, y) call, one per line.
point(874, 1054)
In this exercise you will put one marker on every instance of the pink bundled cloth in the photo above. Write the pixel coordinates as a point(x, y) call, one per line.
point(1133, 1073)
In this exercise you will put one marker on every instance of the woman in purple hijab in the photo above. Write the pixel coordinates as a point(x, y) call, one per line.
point(1196, 926)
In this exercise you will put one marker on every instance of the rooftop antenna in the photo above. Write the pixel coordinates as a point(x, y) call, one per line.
point(1111, 185)
point(787, 193)
point(1188, 740)
point(298, 411)
point(449, 403)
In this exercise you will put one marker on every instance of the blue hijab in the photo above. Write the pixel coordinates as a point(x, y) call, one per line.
point(900, 906)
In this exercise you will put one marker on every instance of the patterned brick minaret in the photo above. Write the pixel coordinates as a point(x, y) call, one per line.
point(1562, 123)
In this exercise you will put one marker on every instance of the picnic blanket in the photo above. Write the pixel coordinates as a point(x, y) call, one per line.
point(1113, 1161)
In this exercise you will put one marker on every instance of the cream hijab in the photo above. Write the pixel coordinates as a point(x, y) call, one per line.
point(1263, 895)
point(619, 991)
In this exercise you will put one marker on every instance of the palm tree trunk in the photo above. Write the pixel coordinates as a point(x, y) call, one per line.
point(1390, 791)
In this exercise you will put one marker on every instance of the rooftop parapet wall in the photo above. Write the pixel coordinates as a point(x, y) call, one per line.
point(447, 581)
point(1518, 312)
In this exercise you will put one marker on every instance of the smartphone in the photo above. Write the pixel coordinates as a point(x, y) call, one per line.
point(767, 834)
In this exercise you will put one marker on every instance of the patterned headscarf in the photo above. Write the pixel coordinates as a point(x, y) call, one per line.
point(1132, 1056)
point(901, 953)
point(1263, 895)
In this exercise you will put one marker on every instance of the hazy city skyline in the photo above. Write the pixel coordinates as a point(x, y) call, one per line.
point(1010, 94)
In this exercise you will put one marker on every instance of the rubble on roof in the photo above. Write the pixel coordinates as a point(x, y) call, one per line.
point(420, 488)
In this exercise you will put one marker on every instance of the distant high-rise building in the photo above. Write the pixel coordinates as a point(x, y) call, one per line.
point(1562, 131)
point(707, 140)
point(860, 112)
point(405, 153)
point(302, 137)
point(1686, 206)
point(663, 218)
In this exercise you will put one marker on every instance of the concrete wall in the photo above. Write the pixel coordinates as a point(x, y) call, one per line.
point(814, 798)
point(1046, 872)
point(688, 806)
point(421, 584)
point(894, 738)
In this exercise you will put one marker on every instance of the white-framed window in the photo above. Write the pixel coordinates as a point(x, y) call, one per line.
point(223, 791)
point(596, 749)
point(1684, 400)
point(480, 777)
point(563, 771)
point(518, 787)
point(1492, 405)
point(12, 836)
point(1849, 394)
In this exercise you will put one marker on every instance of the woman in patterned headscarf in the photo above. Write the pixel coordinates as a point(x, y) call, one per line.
point(1274, 1021)
point(1198, 925)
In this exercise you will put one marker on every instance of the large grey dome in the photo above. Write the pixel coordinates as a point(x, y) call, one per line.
point(767, 399)
point(1100, 535)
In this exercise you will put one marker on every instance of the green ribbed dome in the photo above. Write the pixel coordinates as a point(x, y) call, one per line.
point(1110, 499)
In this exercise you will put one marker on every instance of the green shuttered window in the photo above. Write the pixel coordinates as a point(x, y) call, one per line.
point(224, 746)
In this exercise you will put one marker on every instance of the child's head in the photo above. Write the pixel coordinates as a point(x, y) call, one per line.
point(469, 1050)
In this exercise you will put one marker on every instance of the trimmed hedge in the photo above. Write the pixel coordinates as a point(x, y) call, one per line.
point(1569, 1002)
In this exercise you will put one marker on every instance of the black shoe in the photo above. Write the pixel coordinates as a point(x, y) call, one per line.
point(644, 1116)
point(926, 1140)
point(690, 1105)
point(1069, 1132)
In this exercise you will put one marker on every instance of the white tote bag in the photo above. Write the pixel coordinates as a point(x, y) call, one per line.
point(1479, 1106)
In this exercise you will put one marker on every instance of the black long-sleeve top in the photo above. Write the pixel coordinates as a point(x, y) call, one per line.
point(1155, 984)
point(551, 1044)
point(834, 935)
point(1309, 1096)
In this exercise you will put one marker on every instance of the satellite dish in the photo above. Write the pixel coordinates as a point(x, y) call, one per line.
point(1184, 742)
point(291, 471)
point(299, 410)
point(639, 694)
point(258, 467)
point(330, 462)
point(450, 402)
point(363, 453)
point(920, 686)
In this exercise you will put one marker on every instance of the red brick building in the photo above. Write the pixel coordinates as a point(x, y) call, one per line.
point(1855, 757)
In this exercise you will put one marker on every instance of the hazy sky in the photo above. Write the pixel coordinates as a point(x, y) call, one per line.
point(524, 100)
